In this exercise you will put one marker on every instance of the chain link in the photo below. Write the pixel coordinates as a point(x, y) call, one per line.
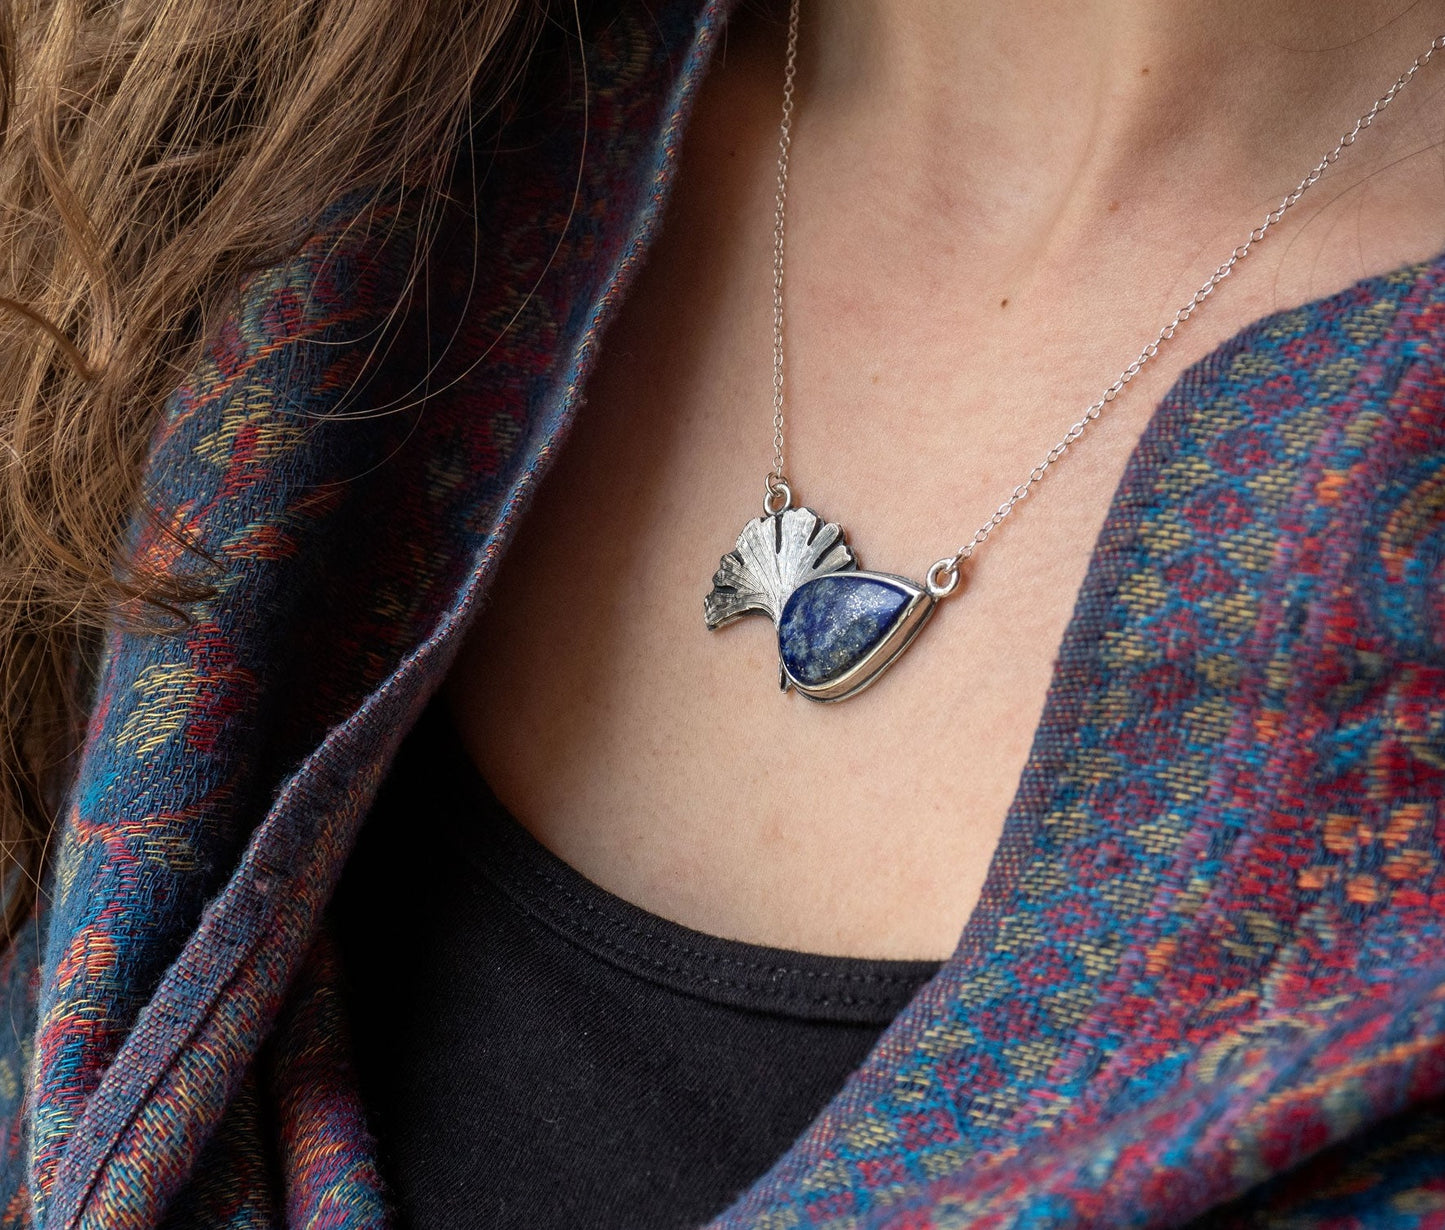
point(943, 574)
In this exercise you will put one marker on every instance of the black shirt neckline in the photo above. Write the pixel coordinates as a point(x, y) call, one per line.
point(754, 977)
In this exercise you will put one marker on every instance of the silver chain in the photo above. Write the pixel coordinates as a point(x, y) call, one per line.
point(943, 576)
point(777, 485)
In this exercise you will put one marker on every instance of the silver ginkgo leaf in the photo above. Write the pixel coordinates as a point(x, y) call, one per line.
point(774, 555)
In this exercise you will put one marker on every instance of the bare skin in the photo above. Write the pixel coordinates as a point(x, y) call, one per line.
point(993, 207)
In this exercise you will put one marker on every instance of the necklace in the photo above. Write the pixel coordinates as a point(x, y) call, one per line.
point(840, 627)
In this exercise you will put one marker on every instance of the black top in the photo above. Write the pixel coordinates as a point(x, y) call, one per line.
point(555, 1057)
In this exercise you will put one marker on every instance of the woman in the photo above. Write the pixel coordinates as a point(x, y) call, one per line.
point(1196, 868)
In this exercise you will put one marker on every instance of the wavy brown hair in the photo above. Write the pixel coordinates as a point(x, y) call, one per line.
point(152, 152)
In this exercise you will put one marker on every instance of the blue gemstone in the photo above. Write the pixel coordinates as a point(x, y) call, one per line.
point(832, 623)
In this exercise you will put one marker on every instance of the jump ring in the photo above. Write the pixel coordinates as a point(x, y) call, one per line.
point(777, 496)
point(941, 589)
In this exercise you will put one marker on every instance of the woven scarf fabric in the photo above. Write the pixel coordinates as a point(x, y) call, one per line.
point(1207, 975)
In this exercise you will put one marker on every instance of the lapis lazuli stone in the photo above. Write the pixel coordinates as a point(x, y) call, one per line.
point(832, 623)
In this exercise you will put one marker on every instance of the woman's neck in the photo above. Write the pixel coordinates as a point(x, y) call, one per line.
point(1031, 118)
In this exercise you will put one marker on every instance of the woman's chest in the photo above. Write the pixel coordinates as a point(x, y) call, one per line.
point(661, 759)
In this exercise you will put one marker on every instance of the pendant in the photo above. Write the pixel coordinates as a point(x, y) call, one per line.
point(839, 627)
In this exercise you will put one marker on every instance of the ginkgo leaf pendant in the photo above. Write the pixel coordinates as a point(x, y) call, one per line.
point(838, 628)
